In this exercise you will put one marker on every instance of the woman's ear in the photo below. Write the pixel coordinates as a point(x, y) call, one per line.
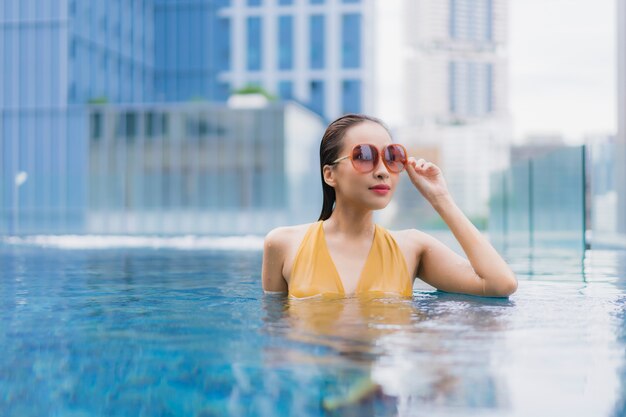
point(329, 175)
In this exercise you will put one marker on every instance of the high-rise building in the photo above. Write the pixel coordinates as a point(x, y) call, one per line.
point(455, 91)
point(314, 51)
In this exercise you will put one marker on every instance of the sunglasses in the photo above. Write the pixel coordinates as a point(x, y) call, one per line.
point(364, 158)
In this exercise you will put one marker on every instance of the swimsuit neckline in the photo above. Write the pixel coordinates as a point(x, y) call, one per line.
point(336, 275)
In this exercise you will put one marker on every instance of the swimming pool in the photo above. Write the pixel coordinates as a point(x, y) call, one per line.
point(139, 331)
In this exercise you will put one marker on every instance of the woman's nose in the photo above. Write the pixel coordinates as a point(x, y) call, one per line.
point(381, 171)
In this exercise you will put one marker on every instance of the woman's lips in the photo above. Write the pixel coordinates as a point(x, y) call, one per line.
point(380, 189)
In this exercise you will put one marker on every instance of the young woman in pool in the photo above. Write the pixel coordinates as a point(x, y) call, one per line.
point(346, 254)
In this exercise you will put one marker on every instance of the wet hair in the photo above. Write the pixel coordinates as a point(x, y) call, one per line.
point(331, 145)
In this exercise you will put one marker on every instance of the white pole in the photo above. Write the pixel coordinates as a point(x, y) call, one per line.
point(20, 178)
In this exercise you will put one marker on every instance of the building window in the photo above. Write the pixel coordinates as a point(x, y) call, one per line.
point(155, 124)
point(222, 92)
point(317, 97)
point(222, 36)
point(489, 21)
point(489, 87)
point(285, 90)
point(350, 1)
point(285, 42)
point(254, 43)
point(316, 33)
point(126, 126)
point(254, 2)
point(452, 105)
point(96, 125)
point(351, 96)
point(470, 20)
point(285, 2)
point(316, 1)
point(452, 25)
point(351, 40)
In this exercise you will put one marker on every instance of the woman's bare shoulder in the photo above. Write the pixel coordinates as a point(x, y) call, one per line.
point(284, 237)
point(416, 239)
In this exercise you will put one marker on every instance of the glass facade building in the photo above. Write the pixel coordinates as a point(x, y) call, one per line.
point(191, 46)
point(60, 58)
point(56, 58)
point(312, 53)
point(471, 81)
point(470, 88)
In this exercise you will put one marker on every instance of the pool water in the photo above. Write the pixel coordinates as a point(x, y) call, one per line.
point(168, 332)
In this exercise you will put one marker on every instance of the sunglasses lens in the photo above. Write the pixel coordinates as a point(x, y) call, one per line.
point(395, 158)
point(364, 157)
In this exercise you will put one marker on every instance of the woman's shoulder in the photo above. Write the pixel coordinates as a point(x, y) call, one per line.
point(411, 237)
point(285, 236)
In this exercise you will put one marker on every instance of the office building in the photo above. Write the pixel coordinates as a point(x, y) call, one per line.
point(455, 91)
point(313, 51)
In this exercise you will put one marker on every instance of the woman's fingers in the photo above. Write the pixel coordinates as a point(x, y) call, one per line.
point(420, 165)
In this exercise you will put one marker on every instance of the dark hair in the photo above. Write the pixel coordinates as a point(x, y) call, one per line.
point(330, 147)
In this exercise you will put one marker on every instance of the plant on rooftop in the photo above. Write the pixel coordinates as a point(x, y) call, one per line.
point(98, 100)
point(255, 89)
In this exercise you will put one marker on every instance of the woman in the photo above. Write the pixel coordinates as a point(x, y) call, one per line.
point(346, 254)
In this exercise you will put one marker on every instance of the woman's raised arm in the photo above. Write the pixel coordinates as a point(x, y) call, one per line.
point(484, 272)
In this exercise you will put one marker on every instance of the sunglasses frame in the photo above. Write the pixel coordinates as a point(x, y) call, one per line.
point(379, 157)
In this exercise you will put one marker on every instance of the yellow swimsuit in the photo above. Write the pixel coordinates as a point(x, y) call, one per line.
point(314, 273)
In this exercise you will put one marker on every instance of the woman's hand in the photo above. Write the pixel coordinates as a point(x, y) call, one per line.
point(428, 179)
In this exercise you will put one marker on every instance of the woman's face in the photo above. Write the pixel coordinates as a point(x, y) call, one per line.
point(373, 189)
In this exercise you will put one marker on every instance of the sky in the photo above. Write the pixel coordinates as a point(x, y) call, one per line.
point(562, 58)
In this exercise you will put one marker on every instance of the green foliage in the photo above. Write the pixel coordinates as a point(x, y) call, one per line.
point(98, 100)
point(255, 89)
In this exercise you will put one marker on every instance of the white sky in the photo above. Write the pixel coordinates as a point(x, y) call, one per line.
point(562, 67)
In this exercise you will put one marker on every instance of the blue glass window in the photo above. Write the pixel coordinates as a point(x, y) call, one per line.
point(285, 90)
point(317, 41)
point(285, 2)
point(316, 1)
point(350, 1)
point(285, 42)
point(351, 40)
point(254, 43)
point(222, 36)
point(222, 91)
point(317, 97)
point(351, 96)
point(254, 2)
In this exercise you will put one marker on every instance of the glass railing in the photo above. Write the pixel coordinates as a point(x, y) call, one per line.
point(540, 204)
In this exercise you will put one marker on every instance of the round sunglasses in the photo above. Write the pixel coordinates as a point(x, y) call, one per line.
point(364, 158)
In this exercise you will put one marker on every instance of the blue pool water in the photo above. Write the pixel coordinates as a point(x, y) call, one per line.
point(140, 331)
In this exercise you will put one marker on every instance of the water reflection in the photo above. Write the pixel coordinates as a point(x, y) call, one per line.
point(393, 354)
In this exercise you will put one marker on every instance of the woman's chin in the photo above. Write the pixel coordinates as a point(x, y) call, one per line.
point(380, 204)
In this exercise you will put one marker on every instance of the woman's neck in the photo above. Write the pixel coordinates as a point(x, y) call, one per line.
point(350, 222)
